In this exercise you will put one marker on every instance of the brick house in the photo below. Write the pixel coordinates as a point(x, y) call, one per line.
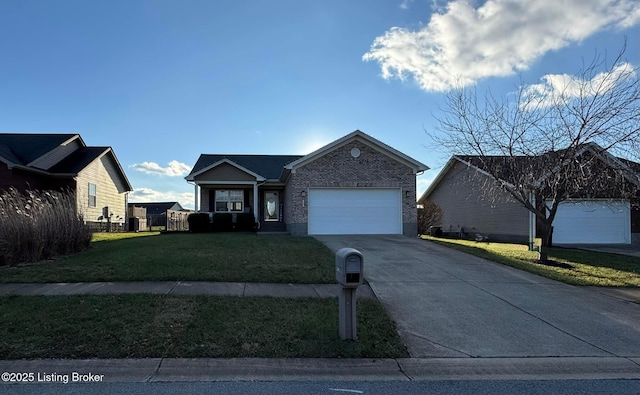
point(65, 162)
point(354, 185)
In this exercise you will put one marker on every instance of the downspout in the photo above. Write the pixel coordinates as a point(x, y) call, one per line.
point(532, 221)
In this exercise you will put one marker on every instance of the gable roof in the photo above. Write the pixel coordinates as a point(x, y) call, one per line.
point(24, 148)
point(267, 166)
point(363, 137)
point(78, 160)
point(156, 208)
point(507, 165)
point(277, 167)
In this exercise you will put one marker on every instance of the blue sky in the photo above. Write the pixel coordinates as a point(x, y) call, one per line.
point(164, 81)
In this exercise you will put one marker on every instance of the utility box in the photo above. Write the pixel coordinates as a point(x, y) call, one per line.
point(349, 268)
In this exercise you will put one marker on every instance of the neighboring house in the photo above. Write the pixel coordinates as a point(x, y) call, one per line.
point(157, 213)
point(354, 185)
point(467, 209)
point(63, 161)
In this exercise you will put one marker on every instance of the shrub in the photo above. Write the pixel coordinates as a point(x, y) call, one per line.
point(222, 222)
point(40, 225)
point(245, 222)
point(429, 215)
point(198, 222)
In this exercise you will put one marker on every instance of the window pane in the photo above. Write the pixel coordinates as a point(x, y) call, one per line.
point(222, 195)
point(92, 195)
point(221, 206)
point(236, 195)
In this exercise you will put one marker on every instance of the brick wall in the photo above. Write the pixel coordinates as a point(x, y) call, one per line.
point(339, 169)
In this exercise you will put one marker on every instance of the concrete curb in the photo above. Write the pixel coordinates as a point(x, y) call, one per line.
point(318, 369)
point(180, 288)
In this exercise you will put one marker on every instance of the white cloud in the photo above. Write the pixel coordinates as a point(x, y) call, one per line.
point(405, 4)
point(563, 87)
point(462, 44)
point(142, 195)
point(174, 169)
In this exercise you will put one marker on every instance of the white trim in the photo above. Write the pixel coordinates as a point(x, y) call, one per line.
point(225, 182)
point(197, 198)
point(255, 202)
point(365, 138)
point(191, 177)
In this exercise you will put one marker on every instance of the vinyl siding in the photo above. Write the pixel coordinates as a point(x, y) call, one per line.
point(110, 190)
point(225, 172)
point(462, 196)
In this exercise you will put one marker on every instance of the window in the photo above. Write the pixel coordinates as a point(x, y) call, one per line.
point(92, 195)
point(229, 201)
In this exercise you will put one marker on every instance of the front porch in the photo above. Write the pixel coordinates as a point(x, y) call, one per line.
point(267, 208)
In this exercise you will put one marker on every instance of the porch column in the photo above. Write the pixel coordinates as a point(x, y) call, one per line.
point(255, 201)
point(195, 196)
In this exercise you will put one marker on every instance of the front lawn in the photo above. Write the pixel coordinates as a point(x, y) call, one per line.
point(587, 267)
point(234, 257)
point(153, 326)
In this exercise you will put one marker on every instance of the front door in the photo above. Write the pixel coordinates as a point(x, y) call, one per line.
point(271, 206)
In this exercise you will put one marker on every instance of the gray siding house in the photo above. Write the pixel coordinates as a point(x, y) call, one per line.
point(472, 206)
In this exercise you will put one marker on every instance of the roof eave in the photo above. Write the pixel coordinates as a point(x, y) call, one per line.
point(414, 164)
point(192, 176)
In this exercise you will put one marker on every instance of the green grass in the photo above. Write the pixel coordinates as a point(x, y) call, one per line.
point(152, 326)
point(589, 268)
point(191, 257)
point(107, 236)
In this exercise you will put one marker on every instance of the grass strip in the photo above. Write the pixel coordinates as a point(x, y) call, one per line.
point(152, 326)
point(588, 268)
point(234, 257)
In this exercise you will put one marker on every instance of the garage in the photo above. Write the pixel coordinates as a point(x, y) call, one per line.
point(355, 211)
point(592, 222)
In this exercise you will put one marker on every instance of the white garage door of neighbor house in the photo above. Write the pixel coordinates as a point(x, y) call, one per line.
point(355, 211)
point(592, 222)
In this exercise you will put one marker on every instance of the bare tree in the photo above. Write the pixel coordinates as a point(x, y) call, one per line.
point(430, 214)
point(570, 137)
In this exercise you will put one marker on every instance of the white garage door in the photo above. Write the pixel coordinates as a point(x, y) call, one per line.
point(355, 211)
point(592, 222)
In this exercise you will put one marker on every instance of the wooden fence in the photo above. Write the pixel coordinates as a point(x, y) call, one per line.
point(177, 220)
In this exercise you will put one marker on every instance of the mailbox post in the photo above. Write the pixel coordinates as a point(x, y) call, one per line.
point(349, 274)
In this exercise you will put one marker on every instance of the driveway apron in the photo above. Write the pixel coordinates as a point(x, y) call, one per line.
point(450, 304)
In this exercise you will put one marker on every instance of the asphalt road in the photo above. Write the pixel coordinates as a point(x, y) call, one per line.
point(559, 387)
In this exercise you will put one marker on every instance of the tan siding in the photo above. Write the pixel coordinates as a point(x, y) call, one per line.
point(225, 172)
point(56, 155)
point(109, 190)
point(464, 201)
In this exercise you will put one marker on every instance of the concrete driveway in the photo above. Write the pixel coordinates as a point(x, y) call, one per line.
point(450, 304)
